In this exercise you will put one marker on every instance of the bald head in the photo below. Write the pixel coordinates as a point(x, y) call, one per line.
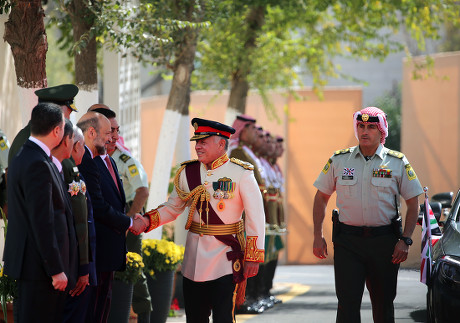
point(96, 130)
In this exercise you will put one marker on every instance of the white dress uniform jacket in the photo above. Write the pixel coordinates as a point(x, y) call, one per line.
point(205, 257)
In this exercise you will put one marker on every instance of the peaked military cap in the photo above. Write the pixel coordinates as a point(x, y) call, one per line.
point(206, 128)
point(61, 95)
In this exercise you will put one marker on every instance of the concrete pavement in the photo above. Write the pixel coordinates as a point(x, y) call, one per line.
point(308, 295)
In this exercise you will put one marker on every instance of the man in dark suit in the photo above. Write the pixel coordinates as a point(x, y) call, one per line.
point(108, 201)
point(40, 247)
point(136, 190)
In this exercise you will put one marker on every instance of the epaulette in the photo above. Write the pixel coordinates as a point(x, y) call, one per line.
point(342, 151)
point(124, 158)
point(189, 162)
point(396, 154)
point(241, 163)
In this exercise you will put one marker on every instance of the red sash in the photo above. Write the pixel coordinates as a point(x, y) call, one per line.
point(192, 172)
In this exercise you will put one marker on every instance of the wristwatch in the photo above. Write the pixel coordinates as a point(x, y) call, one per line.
point(407, 241)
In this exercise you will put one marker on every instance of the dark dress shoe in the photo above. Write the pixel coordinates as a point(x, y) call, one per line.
point(249, 307)
point(275, 300)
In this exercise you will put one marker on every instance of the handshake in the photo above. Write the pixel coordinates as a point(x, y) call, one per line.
point(140, 224)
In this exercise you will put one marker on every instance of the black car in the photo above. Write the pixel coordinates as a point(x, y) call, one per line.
point(443, 297)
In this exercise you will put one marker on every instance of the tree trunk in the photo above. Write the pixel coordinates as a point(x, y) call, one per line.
point(85, 56)
point(25, 32)
point(176, 110)
point(240, 86)
point(237, 98)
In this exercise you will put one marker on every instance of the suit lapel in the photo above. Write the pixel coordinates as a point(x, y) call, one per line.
point(107, 176)
point(62, 188)
point(120, 183)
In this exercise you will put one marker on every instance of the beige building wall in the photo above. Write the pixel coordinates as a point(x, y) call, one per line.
point(318, 128)
point(431, 128)
point(313, 130)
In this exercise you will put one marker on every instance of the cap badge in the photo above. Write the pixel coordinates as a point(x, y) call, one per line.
point(365, 117)
point(195, 125)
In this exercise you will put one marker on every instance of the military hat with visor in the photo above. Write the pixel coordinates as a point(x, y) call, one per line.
point(61, 94)
point(207, 128)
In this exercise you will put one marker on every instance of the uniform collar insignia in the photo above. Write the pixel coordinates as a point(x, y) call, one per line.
point(219, 161)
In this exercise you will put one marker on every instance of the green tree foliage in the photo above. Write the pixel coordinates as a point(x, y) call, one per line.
point(452, 39)
point(300, 37)
point(154, 31)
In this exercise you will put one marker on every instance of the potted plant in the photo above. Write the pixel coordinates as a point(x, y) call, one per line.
point(161, 258)
point(7, 293)
point(8, 286)
point(122, 288)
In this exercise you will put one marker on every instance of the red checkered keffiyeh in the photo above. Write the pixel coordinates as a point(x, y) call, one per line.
point(373, 112)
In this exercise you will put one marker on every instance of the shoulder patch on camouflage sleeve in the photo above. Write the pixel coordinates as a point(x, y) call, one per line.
point(396, 154)
point(241, 163)
point(342, 151)
point(124, 158)
point(189, 162)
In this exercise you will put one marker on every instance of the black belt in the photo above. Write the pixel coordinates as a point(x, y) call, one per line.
point(366, 232)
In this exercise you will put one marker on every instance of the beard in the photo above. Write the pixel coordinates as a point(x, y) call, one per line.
point(100, 149)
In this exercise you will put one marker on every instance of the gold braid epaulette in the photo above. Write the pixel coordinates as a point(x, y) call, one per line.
point(241, 163)
point(198, 193)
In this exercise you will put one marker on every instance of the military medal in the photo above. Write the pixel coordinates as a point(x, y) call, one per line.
point(223, 189)
point(82, 187)
point(381, 172)
point(221, 205)
point(74, 188)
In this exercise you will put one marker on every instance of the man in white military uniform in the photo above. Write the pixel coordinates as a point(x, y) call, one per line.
point(221, 250)
point(369, 243)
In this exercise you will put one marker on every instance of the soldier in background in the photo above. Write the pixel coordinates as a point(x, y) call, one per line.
point(276, 208)
point(63, 95)
point(241, 147)
point(265, 152)
point(4, 149)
